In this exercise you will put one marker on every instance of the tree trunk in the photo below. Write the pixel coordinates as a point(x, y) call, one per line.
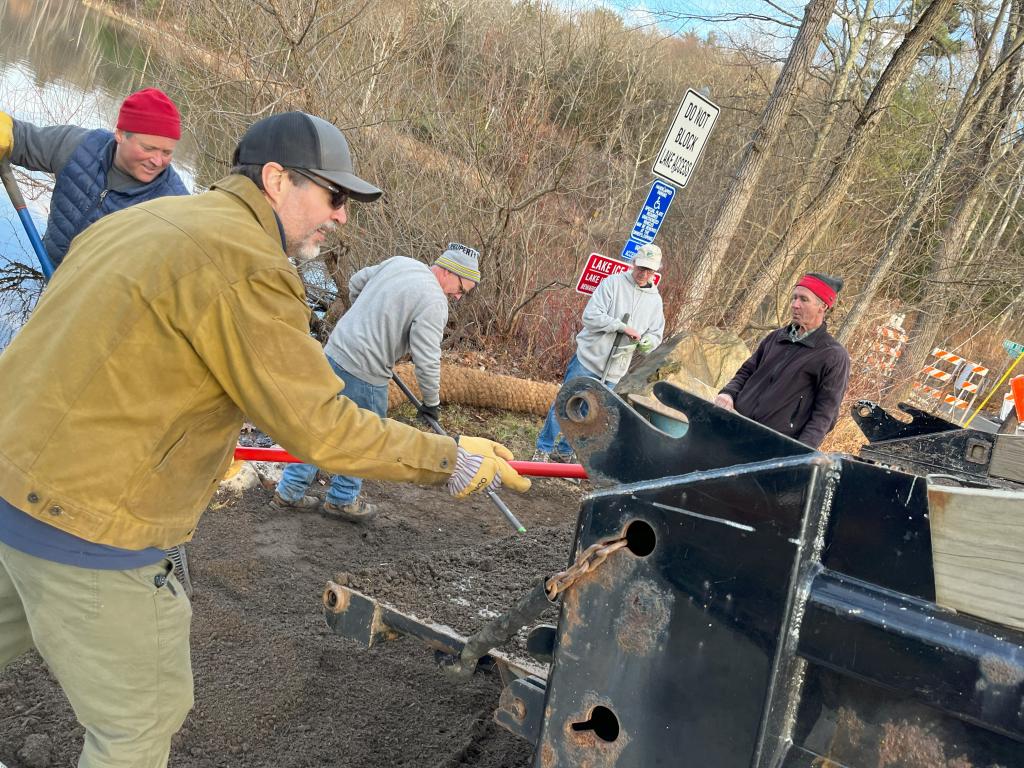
point(1010, 211)
point(715, 243)
point(938, 286)
point(822, 208)
point(968, 112)
point(776, 305)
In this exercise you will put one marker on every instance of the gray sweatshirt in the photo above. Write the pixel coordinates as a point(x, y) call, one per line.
point(398, 308)
point(602, 320)
point(49, 148)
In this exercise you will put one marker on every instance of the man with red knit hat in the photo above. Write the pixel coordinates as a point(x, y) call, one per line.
point(99, 171)
point(795, 381)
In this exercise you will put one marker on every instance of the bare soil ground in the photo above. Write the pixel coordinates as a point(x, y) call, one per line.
point(274, 687)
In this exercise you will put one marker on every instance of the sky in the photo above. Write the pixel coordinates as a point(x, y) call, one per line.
point(698, 16)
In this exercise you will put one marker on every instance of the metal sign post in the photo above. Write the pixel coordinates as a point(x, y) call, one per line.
point(675, 163)
point(686, 139)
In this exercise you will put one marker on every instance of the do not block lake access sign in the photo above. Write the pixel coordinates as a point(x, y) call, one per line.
point(686, 139)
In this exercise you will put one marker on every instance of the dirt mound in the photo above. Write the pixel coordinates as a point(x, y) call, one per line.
point(275, 688)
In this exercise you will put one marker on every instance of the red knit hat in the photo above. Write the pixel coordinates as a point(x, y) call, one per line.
point(825, 287)
point(150, 111)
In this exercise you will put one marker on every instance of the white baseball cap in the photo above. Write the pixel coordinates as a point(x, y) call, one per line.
point(648, 256)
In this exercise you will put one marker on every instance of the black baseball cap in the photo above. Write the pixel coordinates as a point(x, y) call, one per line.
point(298, 140)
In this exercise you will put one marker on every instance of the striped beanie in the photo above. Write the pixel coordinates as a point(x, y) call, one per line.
point(461, 260)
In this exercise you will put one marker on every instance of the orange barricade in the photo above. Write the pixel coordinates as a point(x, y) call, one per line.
point(935, 377)
point(1016, 396)
point(887, 347)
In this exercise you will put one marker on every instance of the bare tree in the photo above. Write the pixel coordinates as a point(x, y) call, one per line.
point(858, 23)
point(713, 246)
point(998, 144)
point(982, 88)
point(820, 211)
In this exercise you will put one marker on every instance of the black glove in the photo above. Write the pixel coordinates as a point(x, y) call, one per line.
point(433, 411)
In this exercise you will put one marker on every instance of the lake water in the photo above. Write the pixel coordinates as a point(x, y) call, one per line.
point(61, 63)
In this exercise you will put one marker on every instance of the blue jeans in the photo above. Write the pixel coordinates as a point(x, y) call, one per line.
point(344, 490)
point(551, 429)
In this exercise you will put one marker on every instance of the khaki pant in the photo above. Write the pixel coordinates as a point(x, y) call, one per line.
point(116, 643)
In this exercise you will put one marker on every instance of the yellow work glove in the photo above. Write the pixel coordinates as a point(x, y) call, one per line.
point(6, 135)
point(483, 464)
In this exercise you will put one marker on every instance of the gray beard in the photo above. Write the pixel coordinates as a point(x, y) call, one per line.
point(303, 253)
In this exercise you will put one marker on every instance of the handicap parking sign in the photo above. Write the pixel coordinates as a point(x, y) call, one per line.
point(653, 213)
point(629, 252)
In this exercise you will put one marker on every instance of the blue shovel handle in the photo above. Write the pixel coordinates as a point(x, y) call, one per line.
point(26, 219)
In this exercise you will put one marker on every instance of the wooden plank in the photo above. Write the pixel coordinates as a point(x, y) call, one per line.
point(978, 551)
point(1008, 458)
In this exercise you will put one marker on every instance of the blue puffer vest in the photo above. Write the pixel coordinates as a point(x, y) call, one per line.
point(81, 196)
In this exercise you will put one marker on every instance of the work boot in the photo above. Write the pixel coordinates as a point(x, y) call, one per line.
point(542, 456)
point(357, 511)
point(305, 504)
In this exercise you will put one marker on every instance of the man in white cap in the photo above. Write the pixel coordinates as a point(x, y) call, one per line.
point(398, 307)
point(204, 320)
point(626, 303)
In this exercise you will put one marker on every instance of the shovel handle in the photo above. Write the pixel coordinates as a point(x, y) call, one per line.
point(436, 426)
point(18, 201)
point(525, 468)
point(615, 346)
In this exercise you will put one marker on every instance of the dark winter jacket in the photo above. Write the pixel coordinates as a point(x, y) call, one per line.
point(81, 194)
point(793, 387)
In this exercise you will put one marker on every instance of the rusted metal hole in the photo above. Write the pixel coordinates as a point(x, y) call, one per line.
point(336, 598)
point(580, 408)
point(602, 722)
point(640, 538)
point(978, 452)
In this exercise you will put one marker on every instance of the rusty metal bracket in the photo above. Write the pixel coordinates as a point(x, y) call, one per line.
point(370, 622)
point(877, 425)
point(602, 428)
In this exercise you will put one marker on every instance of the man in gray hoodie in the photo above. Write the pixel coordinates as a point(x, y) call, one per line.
point(398, 307)
point(598, 354)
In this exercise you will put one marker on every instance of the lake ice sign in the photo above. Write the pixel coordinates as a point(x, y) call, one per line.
point(599, 267)
point(686, 139)
point(653, 213)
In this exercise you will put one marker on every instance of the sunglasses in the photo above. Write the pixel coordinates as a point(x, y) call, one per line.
point(463, 290)
point(339, 196)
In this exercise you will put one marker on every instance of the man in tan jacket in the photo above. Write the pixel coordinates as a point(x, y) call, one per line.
point(167, 322)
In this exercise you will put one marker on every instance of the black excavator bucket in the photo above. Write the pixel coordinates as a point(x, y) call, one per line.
point(767, 605)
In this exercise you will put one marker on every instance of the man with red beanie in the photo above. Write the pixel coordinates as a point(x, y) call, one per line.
point(99, 171)
point(795, 381)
